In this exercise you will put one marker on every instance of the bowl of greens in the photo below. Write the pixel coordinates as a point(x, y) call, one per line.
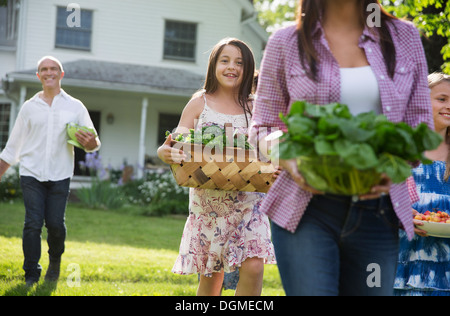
point(340, 153)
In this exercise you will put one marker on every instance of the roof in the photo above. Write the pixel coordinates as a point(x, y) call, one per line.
point(122, 76)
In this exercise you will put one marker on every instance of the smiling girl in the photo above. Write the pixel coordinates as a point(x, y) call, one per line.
point(424, 263)
point(225, 230)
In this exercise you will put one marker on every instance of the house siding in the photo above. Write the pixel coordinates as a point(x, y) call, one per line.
point(127, 31)
point(132, 31)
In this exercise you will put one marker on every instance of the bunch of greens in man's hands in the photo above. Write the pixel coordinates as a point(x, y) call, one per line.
point(345, 154)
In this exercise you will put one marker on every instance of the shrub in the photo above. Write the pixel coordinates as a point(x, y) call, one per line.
point(158, 194)
point(10, 186)
point(101, 195)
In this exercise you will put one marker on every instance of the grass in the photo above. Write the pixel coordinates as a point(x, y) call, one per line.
point(114, 253)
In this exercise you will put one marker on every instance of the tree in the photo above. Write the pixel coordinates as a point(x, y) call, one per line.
point(431, 17)
point(274, 14)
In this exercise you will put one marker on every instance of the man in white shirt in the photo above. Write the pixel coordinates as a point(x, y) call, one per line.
point(38, 142)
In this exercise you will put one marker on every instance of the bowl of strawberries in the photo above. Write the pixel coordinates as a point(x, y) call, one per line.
point(435, 223)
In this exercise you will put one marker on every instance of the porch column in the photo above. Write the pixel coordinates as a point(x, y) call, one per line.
point(23, 95)
point(15, 107)
point(141, 156)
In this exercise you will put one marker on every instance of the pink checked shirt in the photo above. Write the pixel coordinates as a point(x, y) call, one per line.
point(283, 81)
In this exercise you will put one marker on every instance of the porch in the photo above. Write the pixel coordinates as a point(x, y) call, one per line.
point(127, 103)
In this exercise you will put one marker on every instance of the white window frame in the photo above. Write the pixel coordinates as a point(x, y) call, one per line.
point(180, 40)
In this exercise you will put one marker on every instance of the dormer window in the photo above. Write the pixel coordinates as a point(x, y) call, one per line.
point(180, 41)
point(73, 35)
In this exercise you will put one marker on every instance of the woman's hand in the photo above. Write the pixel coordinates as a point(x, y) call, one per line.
point(277, 171)
point(170, 155)
point(291, 167)
point(417, 230)
point(379, 190)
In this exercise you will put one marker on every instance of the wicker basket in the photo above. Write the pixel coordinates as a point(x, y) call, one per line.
point(230, 169)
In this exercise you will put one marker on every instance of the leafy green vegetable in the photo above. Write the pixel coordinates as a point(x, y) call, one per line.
point(213, 136)
point(345, 154)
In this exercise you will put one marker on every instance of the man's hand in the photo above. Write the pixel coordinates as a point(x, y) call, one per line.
point(3, 167)
point(87, 140)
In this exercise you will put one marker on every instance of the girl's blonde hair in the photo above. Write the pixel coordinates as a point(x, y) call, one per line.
point(433, 80)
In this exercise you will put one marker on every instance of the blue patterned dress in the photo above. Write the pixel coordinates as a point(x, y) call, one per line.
point(424, 263)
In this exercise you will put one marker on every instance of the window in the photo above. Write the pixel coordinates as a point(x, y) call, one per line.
point(167, 122)
point(180, 41)
point(5, 111)
point(74, 37)
point(9, 16)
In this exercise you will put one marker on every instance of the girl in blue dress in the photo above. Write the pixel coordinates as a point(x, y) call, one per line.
point(424, 263)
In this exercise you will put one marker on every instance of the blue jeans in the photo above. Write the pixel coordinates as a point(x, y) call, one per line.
point(341, 247)
point(44, 201)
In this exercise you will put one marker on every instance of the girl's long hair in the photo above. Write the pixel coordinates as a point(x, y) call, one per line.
point(311, 11)
point(433, 80)
point(246, 87)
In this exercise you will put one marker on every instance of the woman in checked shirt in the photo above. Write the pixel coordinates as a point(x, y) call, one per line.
point(353, 52)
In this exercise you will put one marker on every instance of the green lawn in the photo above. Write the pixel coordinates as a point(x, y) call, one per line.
point(112, 252)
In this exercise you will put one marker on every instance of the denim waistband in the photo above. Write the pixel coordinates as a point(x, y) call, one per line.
point(382, 202)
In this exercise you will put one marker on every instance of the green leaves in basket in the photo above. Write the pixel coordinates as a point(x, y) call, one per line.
point(213, 136)
point(363, 142)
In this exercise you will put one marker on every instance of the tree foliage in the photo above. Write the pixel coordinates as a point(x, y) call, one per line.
point(273, 14)
point(431, 17)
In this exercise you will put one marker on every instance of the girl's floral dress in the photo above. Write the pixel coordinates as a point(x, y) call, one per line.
point(224, 228)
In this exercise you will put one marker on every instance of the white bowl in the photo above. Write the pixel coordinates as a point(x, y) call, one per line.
point(436, 229)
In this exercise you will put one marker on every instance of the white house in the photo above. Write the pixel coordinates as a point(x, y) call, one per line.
point(133, 63)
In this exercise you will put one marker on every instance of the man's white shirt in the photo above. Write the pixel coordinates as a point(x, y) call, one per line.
point(39, 137)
